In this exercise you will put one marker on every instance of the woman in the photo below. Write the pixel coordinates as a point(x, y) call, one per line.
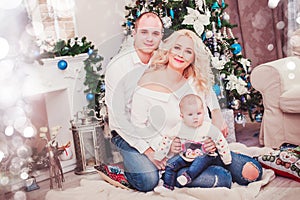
point(182, 67)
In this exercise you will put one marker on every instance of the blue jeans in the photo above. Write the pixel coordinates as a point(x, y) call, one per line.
point(194, 168)
point(235, 169)
point(142, 174)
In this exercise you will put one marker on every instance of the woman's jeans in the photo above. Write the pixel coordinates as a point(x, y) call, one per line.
point(142, 174)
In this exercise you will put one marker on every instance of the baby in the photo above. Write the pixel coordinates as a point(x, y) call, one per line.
point(192, 131)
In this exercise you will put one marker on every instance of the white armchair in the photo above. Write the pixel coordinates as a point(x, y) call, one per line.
point(279, 83)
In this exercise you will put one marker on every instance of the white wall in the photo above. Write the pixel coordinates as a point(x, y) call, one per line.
point(100, 21)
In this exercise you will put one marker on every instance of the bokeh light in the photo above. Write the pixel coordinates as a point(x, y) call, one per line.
point(35, 28)
point(298, 18)
point(10, 93)
point(20, 123)
point(29, 132)
point(273, 3)
point(4, 180)
point(17, 141)
point(9, 131)
point(10, 4)
point(2, 155)
point(24, 175)
point(24, 151)
point(4, 48)
point(270, 47)
point(291, 76)
point(7, 67)
point(280, 25)
point(291, 65)
point(20, 195)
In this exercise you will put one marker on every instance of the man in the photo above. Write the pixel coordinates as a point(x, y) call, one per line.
point(121, 78)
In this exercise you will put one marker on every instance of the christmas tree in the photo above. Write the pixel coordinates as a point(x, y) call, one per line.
point(209, 20)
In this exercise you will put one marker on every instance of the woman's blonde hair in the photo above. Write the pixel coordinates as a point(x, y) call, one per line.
point(199, 69)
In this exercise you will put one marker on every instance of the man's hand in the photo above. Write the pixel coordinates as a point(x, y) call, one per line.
point(160, 165)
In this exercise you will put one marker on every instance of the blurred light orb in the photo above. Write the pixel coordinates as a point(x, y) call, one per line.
point(273, 3)
point(4, 47)
point(4, 180)
point(9, 94)
point(280, 25)
point(291, 76)
point(35, 28)
point(291, 65)
point(270, 47)
point(17, 141)
point(9, 131)
point(226, 17)
point(24, 175)
point(10, 4)
point(15, 168)
point(20, 195)
point(298, 19)
point(28, 132)
point(7, 67)
point(20, 123)
point(1, 155)
point(14, 112)
point(222, 76)
point(24, 152)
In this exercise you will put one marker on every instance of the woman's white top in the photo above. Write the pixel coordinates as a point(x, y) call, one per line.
point(159, 111)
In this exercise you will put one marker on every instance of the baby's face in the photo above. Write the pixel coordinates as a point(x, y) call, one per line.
point(193, 115)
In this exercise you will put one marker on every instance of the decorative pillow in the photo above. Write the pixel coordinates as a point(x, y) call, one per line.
point(285, 161)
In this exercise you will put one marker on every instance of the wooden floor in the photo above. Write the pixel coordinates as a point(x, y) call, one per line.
point(247, 135)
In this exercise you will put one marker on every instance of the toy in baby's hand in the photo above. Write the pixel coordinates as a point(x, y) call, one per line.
point(193, 149)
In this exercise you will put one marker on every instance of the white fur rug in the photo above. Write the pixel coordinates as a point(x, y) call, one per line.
point(101, 190)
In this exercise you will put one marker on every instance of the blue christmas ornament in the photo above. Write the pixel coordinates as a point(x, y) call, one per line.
point(223, 3)
point(219, 22)
point(171, 13)
point(249, 85)
point(90, 51)
point(258, 117)
point(215, 6)
point(236, 48)
point(129, 23)
point(203, 36)
point(62, 64)
point(90, 96)
point(102, 87)
point(217, 89)
point(243, 99)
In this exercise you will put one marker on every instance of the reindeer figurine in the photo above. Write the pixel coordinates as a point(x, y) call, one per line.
point(55, 169)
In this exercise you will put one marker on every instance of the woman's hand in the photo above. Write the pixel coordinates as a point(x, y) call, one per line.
point(219, 121)
point(175, 146)
point(209, 145)
point(160, 165)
